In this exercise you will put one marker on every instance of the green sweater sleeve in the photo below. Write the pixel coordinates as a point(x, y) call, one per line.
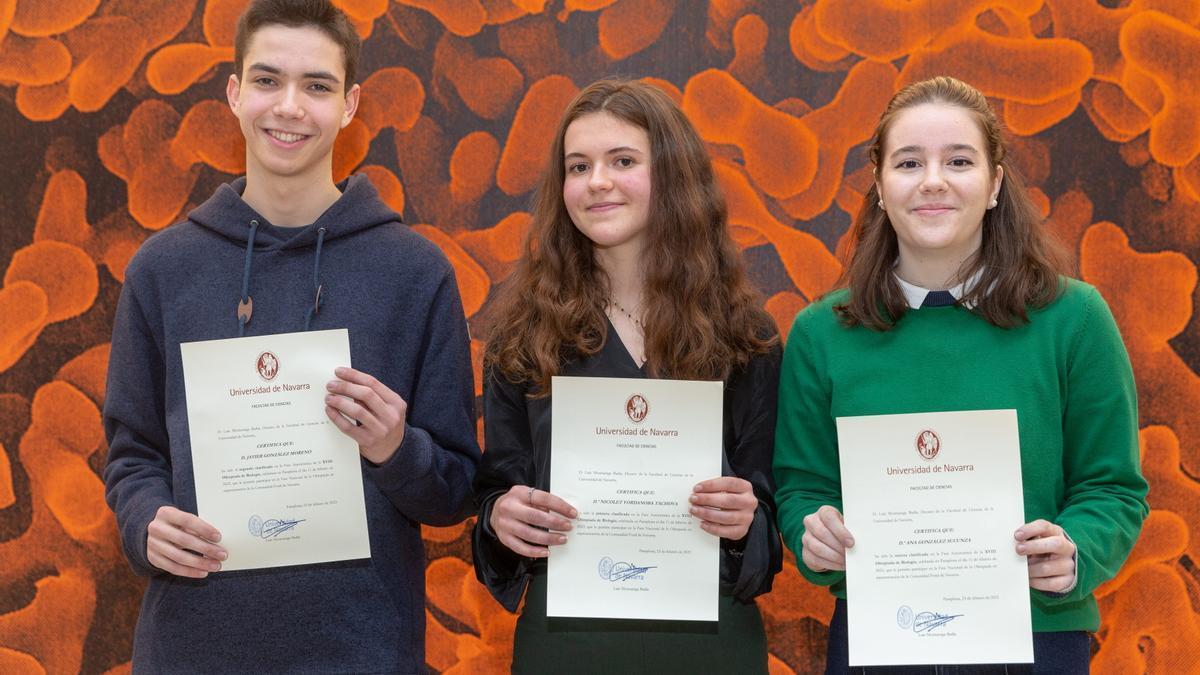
point(807, 474)
point(1105, 496)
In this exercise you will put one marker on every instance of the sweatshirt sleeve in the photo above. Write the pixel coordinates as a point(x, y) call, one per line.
point(807, 473)
point(507, 461)
point(751, 564)
point(1105, 496)
point(428, 478)
point(137, 476)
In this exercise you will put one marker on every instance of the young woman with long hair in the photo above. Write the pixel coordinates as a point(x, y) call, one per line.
point(628, 271)
point(954, 298)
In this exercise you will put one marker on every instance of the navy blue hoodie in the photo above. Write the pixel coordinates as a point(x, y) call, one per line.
point(395, 292)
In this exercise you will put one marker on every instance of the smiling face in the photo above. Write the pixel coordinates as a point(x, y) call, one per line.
point(607, 184)
point(290, 104)
point(936, 181)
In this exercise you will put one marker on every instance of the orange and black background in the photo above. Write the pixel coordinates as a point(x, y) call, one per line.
point(113, 124)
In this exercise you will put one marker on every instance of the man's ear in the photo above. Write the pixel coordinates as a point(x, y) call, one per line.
point(351, 104)
point(232, 90)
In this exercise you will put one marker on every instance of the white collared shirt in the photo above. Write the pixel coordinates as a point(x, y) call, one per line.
point(915, 295)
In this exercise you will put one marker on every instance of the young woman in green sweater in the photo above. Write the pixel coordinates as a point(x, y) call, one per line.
point(953, 299)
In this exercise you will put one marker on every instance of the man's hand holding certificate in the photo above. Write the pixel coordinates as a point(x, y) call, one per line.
point(274, 475)
point(932, 501)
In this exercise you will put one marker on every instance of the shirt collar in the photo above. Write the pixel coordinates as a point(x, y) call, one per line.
point(915, 295)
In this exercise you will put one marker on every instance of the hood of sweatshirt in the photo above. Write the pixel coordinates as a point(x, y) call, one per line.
point(359, 208)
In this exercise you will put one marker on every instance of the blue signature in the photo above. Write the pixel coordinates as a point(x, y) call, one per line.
point(620, 571)
point(274, 527)
point(271, 528)
point(927, 621)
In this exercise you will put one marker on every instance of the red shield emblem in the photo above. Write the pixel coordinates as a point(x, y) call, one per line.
point(637, 407)
point(267, 366)
point(928, 444)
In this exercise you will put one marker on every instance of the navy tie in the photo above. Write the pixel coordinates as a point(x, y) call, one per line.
point(938, 299)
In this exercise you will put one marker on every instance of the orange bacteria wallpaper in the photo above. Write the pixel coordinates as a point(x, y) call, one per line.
point(114, 125)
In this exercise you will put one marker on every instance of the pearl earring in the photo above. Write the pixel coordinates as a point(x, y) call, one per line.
point(992, 204)
point(881, 205)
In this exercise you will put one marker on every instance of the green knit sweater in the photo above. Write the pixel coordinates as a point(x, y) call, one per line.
point(1065, 372)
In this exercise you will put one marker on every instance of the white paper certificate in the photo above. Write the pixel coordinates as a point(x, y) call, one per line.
point(933, 500)
point(273, 474)
point(626, 453)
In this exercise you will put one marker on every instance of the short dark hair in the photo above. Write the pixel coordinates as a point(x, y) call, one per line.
point(320, 14)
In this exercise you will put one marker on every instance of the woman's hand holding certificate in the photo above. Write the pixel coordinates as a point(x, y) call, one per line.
point(528, 521)
point(725, 506)
point(1051, 556)
point(825, 540)
point(1050, 553)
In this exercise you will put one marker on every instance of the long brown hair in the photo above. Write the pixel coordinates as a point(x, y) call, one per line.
point(1019, 259)
point(702, 319)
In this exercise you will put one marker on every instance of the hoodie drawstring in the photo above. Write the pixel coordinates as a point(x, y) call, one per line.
point(316, 306)
point(246, 305)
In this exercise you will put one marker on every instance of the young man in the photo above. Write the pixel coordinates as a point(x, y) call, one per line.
point(285, 250)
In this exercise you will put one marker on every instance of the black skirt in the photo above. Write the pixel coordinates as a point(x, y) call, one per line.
point(735, 643)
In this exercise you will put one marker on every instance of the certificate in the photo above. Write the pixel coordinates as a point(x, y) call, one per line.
point(273, 474)
point(626, 454)
point(933, 500)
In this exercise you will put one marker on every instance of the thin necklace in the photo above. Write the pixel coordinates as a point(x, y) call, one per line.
point(636, 321)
